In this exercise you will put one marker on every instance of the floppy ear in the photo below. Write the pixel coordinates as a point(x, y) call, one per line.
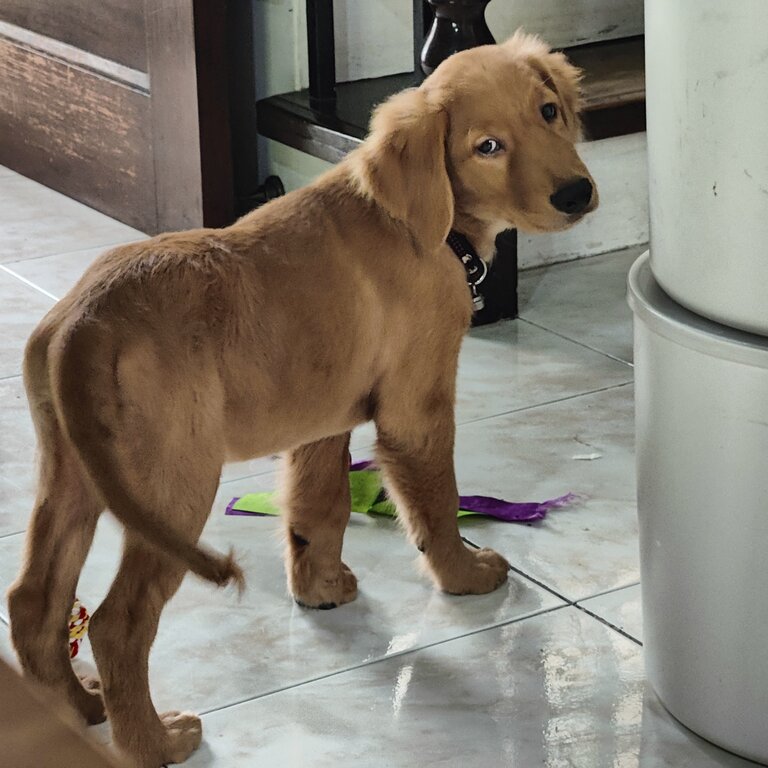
point(564, 80)
point(556, 72)
point(402, 165)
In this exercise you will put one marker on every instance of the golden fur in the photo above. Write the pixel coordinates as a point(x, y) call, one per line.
point(334, 305)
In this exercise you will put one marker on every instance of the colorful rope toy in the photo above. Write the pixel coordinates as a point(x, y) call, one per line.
point(78, 627)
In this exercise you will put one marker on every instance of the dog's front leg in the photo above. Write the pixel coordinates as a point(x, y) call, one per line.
point(415, 449)
point(317, 507)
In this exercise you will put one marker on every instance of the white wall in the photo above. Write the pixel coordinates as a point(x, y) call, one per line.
point(373, 38)
point(280, 43)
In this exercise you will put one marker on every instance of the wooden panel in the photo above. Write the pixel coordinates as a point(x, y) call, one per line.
point(614, 72)
point(244, 154)
point(173, 76)
point(284, 121)
point(614, 87)
point(77, 132)
point(113, 29)
point(189, 88)
point(213, 110)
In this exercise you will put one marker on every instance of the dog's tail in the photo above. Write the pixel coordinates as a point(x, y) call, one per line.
point(76, 384)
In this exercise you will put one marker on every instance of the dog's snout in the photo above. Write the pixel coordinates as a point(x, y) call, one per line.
point(573, 197)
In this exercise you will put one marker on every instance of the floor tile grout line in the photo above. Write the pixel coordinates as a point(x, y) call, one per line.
point(607, 592)
point(516, 570)
point(110, 244)
point(239, 478)
point(222, 484)
point(397, 655)
point(546, 403)
point(576, 341)
point(12, 533)
point(540, 584)
point(28, 283)
point(361, 449)
point(553, 266)
point(608, 624)
point(469, 422)
point(523, 409)
point(575, 603)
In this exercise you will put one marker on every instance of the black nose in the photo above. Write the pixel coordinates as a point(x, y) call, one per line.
point(573, 197)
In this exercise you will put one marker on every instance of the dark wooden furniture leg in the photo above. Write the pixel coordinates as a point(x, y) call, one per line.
point(322, 52)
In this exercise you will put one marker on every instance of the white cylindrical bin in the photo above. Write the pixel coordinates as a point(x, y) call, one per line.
point(702, 453)
point(706, 85)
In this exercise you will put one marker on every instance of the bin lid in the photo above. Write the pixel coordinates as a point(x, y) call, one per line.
point(653, 307)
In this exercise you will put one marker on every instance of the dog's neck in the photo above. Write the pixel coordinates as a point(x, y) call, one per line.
point(482, 234)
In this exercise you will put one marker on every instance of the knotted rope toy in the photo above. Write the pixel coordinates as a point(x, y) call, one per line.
point(78, 627)
point(369, 497)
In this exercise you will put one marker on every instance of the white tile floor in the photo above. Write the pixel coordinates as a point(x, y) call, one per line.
point(546, 671)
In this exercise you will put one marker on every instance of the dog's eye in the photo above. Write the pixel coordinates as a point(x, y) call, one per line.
point(490, 147)
point(549, 112)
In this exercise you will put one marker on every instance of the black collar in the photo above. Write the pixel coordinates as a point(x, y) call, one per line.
point(474, 266)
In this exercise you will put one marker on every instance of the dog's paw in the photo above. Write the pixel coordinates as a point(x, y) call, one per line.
point(328, 592)
point(183, 734)
point(484, 571)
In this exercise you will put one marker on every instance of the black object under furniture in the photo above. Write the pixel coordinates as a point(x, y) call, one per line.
point(329, 119)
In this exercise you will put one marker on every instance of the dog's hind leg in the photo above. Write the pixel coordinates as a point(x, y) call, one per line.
point(317, 506)
point(415, 450)
point(178, 478)
point(40, 600)
point(124, 626)
point(61, 530)
point(122, 632)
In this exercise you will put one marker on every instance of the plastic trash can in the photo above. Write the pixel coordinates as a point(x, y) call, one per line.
point(702, 456)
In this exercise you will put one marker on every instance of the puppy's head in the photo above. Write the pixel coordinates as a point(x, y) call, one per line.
point(485, 143)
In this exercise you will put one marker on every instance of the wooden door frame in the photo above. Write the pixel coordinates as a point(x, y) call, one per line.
point(188, 75)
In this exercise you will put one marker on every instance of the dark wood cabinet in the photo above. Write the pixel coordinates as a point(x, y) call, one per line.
point(121, 105)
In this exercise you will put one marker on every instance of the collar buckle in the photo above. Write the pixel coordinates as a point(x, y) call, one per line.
point(474, 266)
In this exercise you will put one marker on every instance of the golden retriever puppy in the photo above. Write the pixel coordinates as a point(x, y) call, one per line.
point(334, 305)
